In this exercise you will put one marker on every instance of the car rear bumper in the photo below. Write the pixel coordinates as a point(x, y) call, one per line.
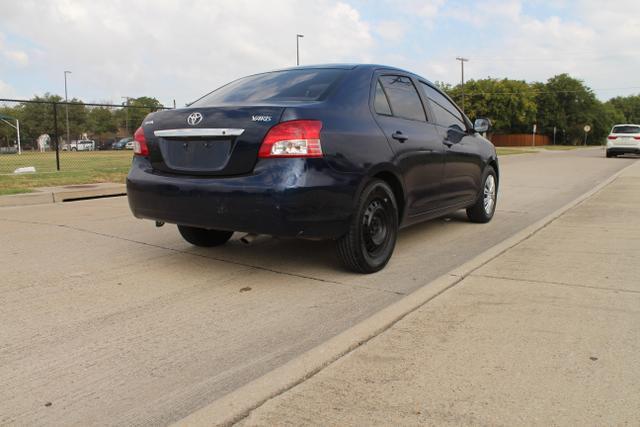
point(623, 149)
point(282, 197)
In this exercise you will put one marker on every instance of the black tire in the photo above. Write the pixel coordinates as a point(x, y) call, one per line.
point(203, 237)
point(609, 154)
point(369, 243)
point(74, 149)
point(479, 212)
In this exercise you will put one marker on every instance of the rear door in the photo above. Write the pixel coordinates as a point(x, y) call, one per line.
point(462, 159)
point(415, 141)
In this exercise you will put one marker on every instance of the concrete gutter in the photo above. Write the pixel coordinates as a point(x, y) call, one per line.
point(239, 403)
point(62, 194)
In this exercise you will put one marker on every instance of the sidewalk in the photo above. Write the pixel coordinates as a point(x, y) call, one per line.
point(548, 333)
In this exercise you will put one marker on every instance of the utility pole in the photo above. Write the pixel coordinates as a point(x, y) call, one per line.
point(66, 101)
point(462, 61)
point(126, 112)
point(298, 37)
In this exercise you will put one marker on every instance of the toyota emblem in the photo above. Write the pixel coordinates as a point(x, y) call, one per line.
point(194, 118)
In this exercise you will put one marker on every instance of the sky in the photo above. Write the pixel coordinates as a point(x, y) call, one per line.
point(180, 49)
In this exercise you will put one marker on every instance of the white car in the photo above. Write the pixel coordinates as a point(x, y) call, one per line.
point(623, 139)
point(81, 145)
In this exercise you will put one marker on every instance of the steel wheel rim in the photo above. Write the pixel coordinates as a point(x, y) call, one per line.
point(376, 227)
point(489, 194)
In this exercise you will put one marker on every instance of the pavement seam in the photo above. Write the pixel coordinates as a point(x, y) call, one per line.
point(271, 270)
point(545, 282)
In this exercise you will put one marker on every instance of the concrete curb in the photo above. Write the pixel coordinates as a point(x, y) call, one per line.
point(239, 403)
point(61, 194)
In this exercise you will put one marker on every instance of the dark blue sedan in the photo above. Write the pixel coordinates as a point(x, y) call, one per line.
point(343, 152)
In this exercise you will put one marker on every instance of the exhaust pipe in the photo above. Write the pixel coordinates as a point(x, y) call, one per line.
point(248, 239)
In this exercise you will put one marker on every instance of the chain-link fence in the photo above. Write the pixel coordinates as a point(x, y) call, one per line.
point(72, 137)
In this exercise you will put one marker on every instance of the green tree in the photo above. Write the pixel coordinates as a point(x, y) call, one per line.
point(568, 104)
point(37, 119)
point(628, 106)
point(77, 119)
point(139, 108)
point(101, 120)
point(7, 133)
point(510, 104)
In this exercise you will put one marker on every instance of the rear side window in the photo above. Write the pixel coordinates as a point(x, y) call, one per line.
point(403, 97)
point(381, 103)
point(446, 113)
point(290, 85)
point(626, 129)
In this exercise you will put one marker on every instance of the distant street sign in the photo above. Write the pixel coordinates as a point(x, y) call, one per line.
point(587, 128)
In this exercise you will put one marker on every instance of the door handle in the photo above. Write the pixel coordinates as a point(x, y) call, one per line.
point(399, 136)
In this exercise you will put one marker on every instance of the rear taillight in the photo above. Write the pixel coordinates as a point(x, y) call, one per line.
point(636, 137)
point(297, 138)
point(612, 137)
point(140, 143)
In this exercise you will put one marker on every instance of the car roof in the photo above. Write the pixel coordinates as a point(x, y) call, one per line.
point(350, 66)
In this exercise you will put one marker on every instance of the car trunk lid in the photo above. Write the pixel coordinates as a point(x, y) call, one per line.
point(208, 141)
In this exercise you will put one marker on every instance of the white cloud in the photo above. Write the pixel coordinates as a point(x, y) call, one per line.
point(180, 49)
point(14, 56)
point(600, 45)
point(391, 30)
point(183, 48)
point(6, 91)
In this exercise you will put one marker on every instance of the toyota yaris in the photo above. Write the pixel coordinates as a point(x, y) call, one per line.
point(343, 152)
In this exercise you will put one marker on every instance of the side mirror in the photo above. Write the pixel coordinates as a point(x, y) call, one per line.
point(482, 125)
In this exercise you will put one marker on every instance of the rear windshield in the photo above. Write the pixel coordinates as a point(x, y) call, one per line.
point(626, 129)
point(290, 85)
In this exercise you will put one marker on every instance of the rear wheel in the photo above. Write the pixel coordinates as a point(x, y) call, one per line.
point(483, 209)
point(610, 154)
point(203, 237)
point(369, 243)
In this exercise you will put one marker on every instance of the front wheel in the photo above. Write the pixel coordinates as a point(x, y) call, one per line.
point(369, 243)
point(483, 209)
point(203, 237)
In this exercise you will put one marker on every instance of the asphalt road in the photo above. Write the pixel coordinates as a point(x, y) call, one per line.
point(105, 319)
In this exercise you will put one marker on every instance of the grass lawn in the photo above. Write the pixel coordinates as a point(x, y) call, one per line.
point(562, 147)
point(75, 168)
point(505, 151)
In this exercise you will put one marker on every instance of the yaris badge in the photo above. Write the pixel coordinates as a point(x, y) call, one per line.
point(194, 118)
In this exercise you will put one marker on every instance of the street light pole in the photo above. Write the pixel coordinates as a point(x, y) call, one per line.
point(66, 101)
point(462, 61)
point(298, 37)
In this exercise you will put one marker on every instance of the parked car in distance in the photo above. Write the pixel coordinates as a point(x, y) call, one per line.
point(623, 139)
point(343, 152)
point(120, 145)
point(80, 145)
point(105, 144)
